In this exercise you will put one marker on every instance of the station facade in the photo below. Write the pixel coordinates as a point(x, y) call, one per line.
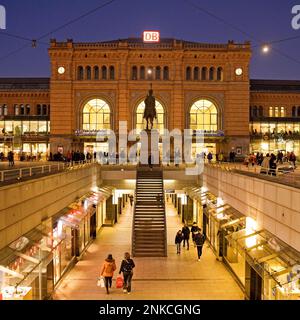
point(94, 86)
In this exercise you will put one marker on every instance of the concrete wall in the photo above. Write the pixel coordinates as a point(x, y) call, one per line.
point(23, 206)
point(274, 206)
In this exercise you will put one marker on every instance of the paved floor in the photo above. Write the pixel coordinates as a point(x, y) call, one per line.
point(174, 277)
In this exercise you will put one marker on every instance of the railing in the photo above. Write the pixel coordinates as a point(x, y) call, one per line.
point(165, 215)
point(27, 172)
point(133, 243)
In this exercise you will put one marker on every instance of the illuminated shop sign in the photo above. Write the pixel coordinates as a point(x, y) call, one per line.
point(151, 36)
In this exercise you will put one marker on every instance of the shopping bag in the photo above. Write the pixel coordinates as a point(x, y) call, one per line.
point(119, 282)
point(100, 282)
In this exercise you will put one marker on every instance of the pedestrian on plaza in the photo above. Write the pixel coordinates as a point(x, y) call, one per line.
point(186, 236)
point(107, 271)
point(194, 230)
point(293, 158)
point(131, 200)
point(127, 266)
point(178, 240)
point(199, 241)
point(209, 157)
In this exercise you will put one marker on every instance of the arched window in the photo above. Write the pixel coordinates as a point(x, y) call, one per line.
point(204, 73)
point(22, 110)
point(45, 109)
point(112, 73)
point(211, 73)
point(104, 73)
point(96, 115)
point(294, 112)
point(196, 73)
point(255, 111)
point(158, 123)
point(5, 110)
point(220, 74)
point(80, 73)
point(150, 73)
point(188, 74)
point(142, 73)
point(204, 116)
point(298, 113)
point(261, 111)
point(96, 73)
point(134, 72)
point(17, 110)
point(88, 71)
point(27, 109)
point(157, 73)
point(166, 73)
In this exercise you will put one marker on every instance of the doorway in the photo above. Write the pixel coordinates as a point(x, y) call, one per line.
point(253, 283)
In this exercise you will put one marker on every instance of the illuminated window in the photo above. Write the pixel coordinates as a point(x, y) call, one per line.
point(282, 112)
point(271, 112)
point(204, 116)
point(158, 123)
point(17, 110)
point(276, 112)
point(96, 115)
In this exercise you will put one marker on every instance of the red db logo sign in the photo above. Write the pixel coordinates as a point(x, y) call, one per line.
point(151, 36)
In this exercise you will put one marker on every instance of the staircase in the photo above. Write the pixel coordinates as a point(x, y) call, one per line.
point(149, 221)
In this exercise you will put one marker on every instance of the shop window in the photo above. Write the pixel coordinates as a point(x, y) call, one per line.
point(17, 110)
point(158, 123)
point(220, 74)
point(204, 74)
point(112, 73)
point(88, 71)
point(204, 116)
point(104, 72)
point(196, 73)
point(80, 73)
point(96, 115)
point(211, 73)
point(157, 73)
point(188, 74)
point(96, 73)
point(166, 73)
point(142, 73)
point(134, 73)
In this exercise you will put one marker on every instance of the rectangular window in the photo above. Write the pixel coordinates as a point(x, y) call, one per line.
point(42, 127)
point(282, 113)
point(271, 112)
point(9, 127)
point(276, 112)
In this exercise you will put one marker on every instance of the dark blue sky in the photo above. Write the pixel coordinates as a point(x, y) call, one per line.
point(265, 19)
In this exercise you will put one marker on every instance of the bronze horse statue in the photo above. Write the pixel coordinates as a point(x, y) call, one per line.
point(150, 111)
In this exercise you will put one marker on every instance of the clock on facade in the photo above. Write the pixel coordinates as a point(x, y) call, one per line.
point(61, 70)
point(238, 71)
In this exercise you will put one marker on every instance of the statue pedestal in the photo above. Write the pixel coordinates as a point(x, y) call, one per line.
point(149, 147)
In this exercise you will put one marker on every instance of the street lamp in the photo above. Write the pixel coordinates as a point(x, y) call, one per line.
point(265, 49)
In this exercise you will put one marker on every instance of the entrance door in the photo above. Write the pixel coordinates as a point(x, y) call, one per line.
point(253, 283)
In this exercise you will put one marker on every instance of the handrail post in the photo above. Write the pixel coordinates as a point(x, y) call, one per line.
point(30, 171)
point(20, 173)
point(2, 176)
point(43, 169)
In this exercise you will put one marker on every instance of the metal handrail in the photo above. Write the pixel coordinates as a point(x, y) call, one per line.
point(133, 217)
point(165, 215)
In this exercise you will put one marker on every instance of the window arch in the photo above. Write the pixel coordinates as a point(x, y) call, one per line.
point(142, 73)
point(158, 123)
point(134, 73)
point(88, 71)
point(112, 73)
point(294, 112)
point(220, 74)
point(188, 74)
point(80, 73)
point(166, 73)
point(196, 73)
point(204, 73)
point(158, 73)
point(104, 73)
point(204, 116)
point(96, 115)
point(211, 73)
point(96, 73)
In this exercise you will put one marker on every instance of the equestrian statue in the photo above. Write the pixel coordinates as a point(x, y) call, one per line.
point(150, 111)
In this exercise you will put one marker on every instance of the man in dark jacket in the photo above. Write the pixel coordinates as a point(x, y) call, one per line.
point(186, 236)
point(199, 239)
point(127, 266)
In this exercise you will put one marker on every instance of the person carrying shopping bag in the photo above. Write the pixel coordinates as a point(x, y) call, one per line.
point(127, 266)
point(107, 271)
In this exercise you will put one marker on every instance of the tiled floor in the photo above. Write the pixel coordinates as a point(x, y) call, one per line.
point(174, 277)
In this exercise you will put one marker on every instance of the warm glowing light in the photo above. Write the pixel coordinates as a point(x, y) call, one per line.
point(220, 201)
point(265, 49)
point(251, 226)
